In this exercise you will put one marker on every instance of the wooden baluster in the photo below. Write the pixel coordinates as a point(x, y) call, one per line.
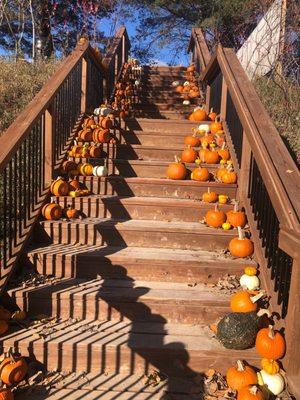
point(123, 49)
point(116, 68)
point(207, 103)
point(49, 146)
point(83, 85)
point(244, 172)
point(223, 109)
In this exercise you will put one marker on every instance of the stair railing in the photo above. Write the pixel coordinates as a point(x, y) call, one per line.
point(268, 188)
point(35, 144)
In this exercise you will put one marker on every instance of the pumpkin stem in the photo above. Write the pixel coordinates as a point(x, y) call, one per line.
point(271, 333)
point(208, 190)
point(264, 311)
point(241, 233)
point(236, 206)
point(255, 298)
point(223, 145)
point(216, 207)
point(176, 159)
point(253, 390)
point(240, 365)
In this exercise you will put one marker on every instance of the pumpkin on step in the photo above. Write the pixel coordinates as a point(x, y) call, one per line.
point(95, 151)
point(100, 170)
point(212, 115)
point(68, 166)
point(209, 197)
point(176, 170)
point(250, 393)
point(240, 376)
point(241, 246)
point(235, 217)
point(198, 115)
point(52, 211)
point(74, 184)
point(238, 330)
point(270, 344)
point(71, 213)
point(101, 135)
point(229, 176)
point(59, 187)
point(211, 157)
point(224, 153)
point(271, 367)
point(6, 394)
point(244, 302)
point(13, 369)
point(189, 155)
point(85, 169)
point(192, 141)
point(200, 174)
point(215, 218)
point(106, 122)
point(216, 125)
point(85, 135)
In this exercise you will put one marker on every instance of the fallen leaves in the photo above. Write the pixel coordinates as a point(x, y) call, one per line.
point(227, 284)
point(215, 386)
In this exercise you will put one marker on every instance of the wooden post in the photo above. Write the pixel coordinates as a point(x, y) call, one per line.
point(244, 173)
point(123, 49)
point(116, 67)
point(49, 147)
point(223, 100)
point(207, 103)
point(83, 85)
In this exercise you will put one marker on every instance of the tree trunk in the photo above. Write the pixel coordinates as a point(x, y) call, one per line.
point(43, 25)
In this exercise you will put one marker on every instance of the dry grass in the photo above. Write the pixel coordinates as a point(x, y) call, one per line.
point(19, 83)
point(282, 100)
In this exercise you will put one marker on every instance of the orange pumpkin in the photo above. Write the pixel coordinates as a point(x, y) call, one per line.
point(68, 166)
point(192, 141)
point(215, 218)
point(71, 212)
point(202, 152)
point(95, 151)
point(59, 187)
point(241, 246)
point(207, 138)
point(211, 157)
point(270, 344)
point(3, 327)
point(101, 135)
point(250, 393)
point(220, 172)
point(189, 155)
point(13, 369)
point(236, 218)
point(198, 115)
point(179, 89)
point(85, 135)
point(224, 153)
point(200, 174)
point(212, 115)
point(229, 176)
point(74, 184)
point(240, 376)
point(243, 302)
point(52, 211)
point(6, 394)
point(176, 170)
point(85, 169)
point(216, 125)
point(209, 197)
point(106, 123)
point(88, 122)
point(5, 314)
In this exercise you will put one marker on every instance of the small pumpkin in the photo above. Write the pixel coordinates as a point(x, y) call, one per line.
point(68, 166)
point(243, 302)
point(207, 139)
point(198, 115)
point(270, 344)
point(179, 89)
point(189, 155)
point(215, 218)
point(95, 151)
point(192, 141)
point(209, 197)
point(85, 169)
point(88, 122)
point(223, 199)
point(52, 211)
point(216, 125)
point(106, 123)
point(177, 170)
point(101, 135)
point(6, 394)
point(212, 115)
point(5, 314)
point(86, 135)
point(249, 282)
point(59, 187)
point(13, 369)
point(3, 326)
point(211, 157)
point(229, 176)
point(224, 153)
point(220, 172)
point(200, 174)
point(274, 382)
point(71, 213)
point(249, 270)
point(250, 393)
point(235, 217)
point(100, 170)
point(240, 376)
point(203, 128)
point(241, 246)
point(74, 184)
point(271, 367)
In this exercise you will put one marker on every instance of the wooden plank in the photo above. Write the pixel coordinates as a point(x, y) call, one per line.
point(244, 170)
point(83, 84)
point(49, 121)
point(211, 69)
point(223, 100)
point(277, 168)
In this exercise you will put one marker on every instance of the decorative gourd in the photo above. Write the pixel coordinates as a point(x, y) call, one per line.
point(95, 151)
point(13, 369)
point(249, 282)
point(249, 270)
point(211, 157)
point(86, 135)
point(192, 141)
point(235, 217)
point(274, 382)
point(243, 302)
point(223, 199)
point(52, 211)
point(59, 187)
point(216, 125)
point(241, 246)
point(74, 184)
point(200, 174)
point(71, 212)
point(224, 153)
point(204, 128)
point(68, 166)
point(207, 139)
point(5, 314)
point(76, 150)
point(270, 344)
point(271, 367)
point(189, 155)
point(175, 84)
point(226, 226)
point(212, 115)
point(88, 122)
point(85, 169)
point(229, 176)
point(177, 170)
point(6, 394)
point(3, 326)
point(100, 170)
point(101, 135)
point(250, 393)
point(215, 218)
point(199, 114)
point(240, 376)
point(209, 197)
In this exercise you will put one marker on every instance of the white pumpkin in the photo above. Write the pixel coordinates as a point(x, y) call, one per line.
point(204, 127)
point(137, 83)
point(249, 282)
point(186, 102)
point(100, 170)
point(186, 83)
point(104, 111)
point(275, 383)
point(175, 83)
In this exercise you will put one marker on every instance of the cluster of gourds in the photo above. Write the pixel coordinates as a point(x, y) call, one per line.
point(190, 88)
point(72, 169)
point(54, 212)
point(219, 219)
point(243, 328)
point(210, 139)
point(213, 197)
point(96, 128)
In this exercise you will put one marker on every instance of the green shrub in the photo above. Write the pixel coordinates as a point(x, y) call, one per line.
point(19, 82)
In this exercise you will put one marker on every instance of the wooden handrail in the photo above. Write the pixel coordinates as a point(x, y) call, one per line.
point(198, 40)
point(122, 32)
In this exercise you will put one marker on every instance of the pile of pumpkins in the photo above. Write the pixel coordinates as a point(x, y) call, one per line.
point(73, 188)
point(96, 128)
point(189, 89)
point(71, 168)
point(216, 218)
point(246, 327)
point(210, 139)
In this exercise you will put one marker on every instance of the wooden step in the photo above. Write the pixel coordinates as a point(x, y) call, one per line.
point(152, 208)
point(175, 105)
point(150, 264)
point(169, 115)
point(154, 187)
point(141, 152)
point(117, 300)
point(137, 233)
point(161, 125)
point(144, 138)
point(123, 347)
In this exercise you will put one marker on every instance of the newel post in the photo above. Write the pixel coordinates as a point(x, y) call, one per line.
point(83, 85)
point(49, 146)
